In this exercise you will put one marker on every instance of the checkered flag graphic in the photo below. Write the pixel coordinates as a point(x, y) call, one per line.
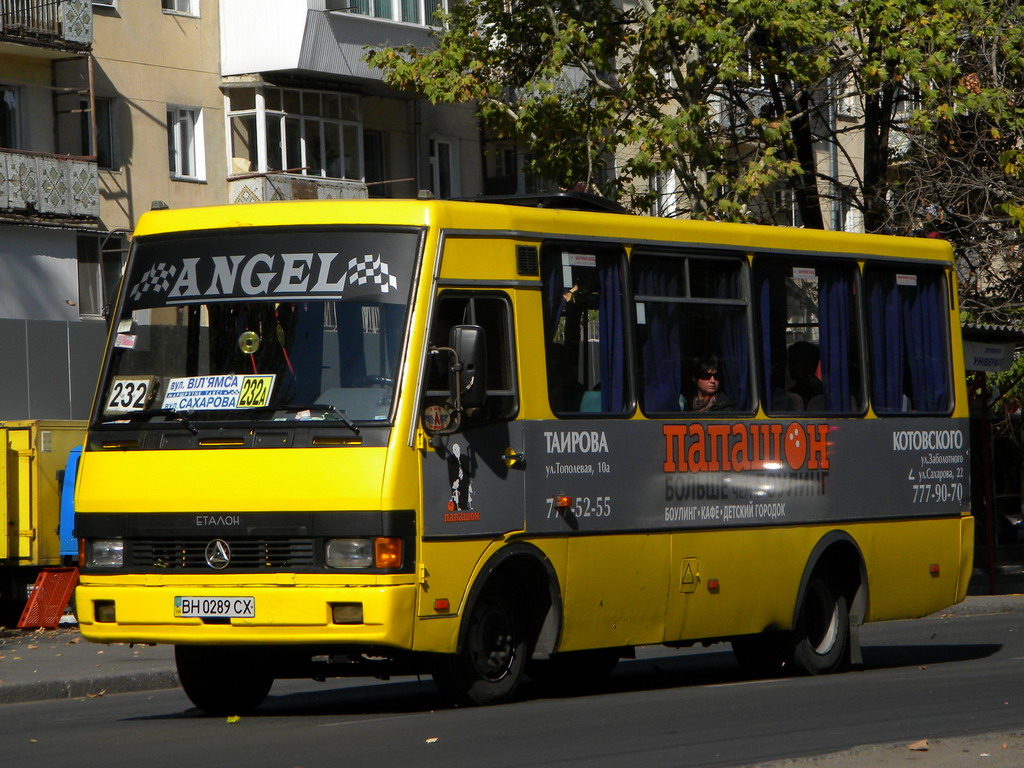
point(370, 269)
point(156, 279)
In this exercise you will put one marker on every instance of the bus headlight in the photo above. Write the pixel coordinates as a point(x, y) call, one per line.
point(349, 553)
point(382, 552)
point(105, 553)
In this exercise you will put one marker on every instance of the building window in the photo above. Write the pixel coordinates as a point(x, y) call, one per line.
point(290, 130)
point(375, 160)
point(183, 7)
point(424, 12)
point(185, 143)
point(10, 118)
point(443, 169)
point(100, 260)
point(104, 151)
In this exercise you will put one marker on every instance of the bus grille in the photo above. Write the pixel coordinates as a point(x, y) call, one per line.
point(248, 554)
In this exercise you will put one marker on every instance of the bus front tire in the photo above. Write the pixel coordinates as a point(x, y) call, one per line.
point(822, 632)
point(221, 680)
point(489, 667)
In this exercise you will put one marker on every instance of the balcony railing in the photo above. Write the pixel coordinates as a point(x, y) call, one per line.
point(48, 186)
point(68, 21)
point(257, 188)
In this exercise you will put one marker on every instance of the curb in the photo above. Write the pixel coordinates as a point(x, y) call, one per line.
point(43, 690)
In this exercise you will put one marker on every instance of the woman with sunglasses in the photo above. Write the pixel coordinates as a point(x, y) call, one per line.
point(707, 388)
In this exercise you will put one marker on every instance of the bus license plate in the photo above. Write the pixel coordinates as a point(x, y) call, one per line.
point(215, 607)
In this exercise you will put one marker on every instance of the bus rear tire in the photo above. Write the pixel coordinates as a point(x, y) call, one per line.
point(222, 680)
point(489, 667)
point(822, 632)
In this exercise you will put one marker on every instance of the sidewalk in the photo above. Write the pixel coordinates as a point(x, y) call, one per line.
point(58, 664)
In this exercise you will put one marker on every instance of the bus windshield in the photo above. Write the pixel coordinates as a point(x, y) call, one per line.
point(260, 325)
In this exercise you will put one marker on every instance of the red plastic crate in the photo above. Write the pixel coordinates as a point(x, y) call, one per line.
point(50, 596)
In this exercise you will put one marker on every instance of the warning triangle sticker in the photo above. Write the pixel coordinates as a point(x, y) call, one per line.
point(688, 575)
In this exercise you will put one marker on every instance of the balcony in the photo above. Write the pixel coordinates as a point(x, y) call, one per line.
point(265, 187)
point(57, 23)
point(40, 187)
point(301, 37)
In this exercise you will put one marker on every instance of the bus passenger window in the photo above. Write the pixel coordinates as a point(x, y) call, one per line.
point(493, 313)
point(585, 330)
point(692, 316)
point(908, 328)
point(808, 336)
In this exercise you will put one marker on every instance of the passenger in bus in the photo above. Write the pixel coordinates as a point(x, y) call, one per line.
point(784, 401)
point(707, 394)
point(803, 370)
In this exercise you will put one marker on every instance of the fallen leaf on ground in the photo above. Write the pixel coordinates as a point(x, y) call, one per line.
point(432, 739)
point(234, 719)
point(95, 695)
point(919, 746)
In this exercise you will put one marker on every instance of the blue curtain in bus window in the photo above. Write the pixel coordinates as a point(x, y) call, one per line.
point(834, 291)
point(924, 317)
point(734, 348)
point(554, 304)
point(771, 303)
point(886, 339)
point(613, 335)
point(661, 350)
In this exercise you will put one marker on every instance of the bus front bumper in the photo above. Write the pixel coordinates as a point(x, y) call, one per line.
point(254, 614)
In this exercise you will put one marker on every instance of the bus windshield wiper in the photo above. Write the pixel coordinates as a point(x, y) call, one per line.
point(168, 413)
point(326, 408)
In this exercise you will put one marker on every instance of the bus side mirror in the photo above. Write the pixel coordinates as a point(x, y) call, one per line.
point(467, 376)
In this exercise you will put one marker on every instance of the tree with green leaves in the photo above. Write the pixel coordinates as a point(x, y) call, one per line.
point(892, 114)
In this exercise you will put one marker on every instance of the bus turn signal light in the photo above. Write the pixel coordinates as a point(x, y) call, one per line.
point(933, 569)
point(564, 502)
point(387, 552)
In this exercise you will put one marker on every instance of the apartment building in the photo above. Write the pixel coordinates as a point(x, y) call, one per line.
point(49, 210)
point(109, 108)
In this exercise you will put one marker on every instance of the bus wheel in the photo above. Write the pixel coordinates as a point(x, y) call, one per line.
point(490, 665)
point(222, 680)
point(574, 669)
point(822, 632)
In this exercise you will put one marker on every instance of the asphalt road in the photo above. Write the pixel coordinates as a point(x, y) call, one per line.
point(945, 679)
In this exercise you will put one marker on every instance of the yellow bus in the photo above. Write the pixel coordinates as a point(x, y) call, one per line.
point(488, 440)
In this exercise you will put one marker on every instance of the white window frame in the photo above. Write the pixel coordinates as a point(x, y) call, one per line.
point(348, 128)
point(442, 173)
point(399, 10)
point(180, 7)
point(99, 272)
point(185, 143)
